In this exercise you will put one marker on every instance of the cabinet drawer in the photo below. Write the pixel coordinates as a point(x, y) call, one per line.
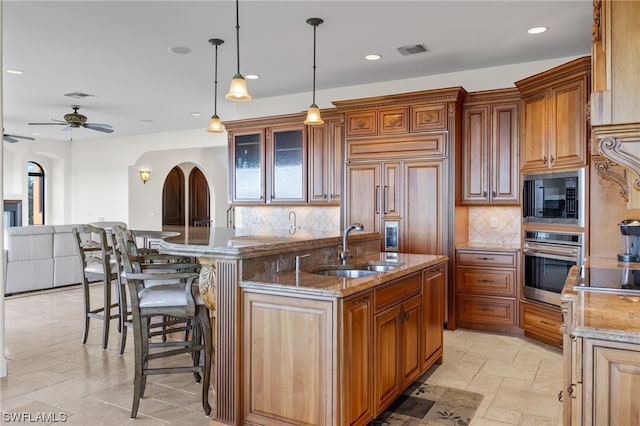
point(428, 117)
point(487, 310)
point(397, 291)
point(541, 319)
point(401, 146)
point(362, 124)
point(486, 258)
point(393, 120)
point(493, 282)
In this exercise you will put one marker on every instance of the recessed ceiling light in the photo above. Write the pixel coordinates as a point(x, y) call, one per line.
point(35, 134)
point(196, 114)
point(14, 71)
point(252, 76)
point(180, 50)
point(373, 57)
point(537, 30)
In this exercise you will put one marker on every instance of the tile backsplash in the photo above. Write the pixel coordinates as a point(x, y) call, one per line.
point(507, 223)
point(297, 221)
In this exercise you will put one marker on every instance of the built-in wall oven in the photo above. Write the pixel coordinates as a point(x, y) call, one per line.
point(548, 256)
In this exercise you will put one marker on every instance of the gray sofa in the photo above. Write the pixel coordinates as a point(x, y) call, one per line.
point(41, 257)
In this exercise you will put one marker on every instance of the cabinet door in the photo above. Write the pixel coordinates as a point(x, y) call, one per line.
point(475, 154)
point(534, 152)
point(505, 171)
point(612, 380)
point(423, 219)
point(363, 189)
point(287, 169)
point(568, 132)
point(357, 361)
point(247, 160)
point(387, 357)
point(411, 319)
point(391, 189)
point(325, 163)
point(433, 300)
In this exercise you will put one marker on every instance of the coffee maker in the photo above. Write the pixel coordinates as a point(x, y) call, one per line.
point(630, 230)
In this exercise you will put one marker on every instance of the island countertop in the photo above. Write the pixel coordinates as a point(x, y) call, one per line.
point(603, 315)
point(311, 283)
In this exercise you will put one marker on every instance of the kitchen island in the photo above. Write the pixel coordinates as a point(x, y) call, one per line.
point(601, 346)
point(306, 348)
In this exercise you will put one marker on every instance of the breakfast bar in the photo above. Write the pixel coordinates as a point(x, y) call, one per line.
point(297, 340)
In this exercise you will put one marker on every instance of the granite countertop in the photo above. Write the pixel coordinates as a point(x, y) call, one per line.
point(603, 315)
point(489, 246)
point(310, 283)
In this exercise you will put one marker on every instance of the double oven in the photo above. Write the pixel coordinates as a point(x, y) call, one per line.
point(549, 252)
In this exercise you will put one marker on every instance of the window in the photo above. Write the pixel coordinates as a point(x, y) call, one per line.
point(36, 193)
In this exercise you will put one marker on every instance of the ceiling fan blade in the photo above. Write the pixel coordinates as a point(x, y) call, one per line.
point(62, 123)
point(105, 128)
point(14, 138)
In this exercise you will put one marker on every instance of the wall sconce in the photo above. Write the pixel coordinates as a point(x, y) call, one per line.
point(144, 175)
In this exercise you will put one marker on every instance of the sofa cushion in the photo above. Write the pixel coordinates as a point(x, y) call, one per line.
point(29, 243)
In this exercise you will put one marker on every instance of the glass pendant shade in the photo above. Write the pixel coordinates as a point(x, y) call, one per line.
point(313, 116)
point(238, 90)
point(215, 125)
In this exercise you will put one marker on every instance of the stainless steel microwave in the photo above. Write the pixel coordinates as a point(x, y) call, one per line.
point(554, 198)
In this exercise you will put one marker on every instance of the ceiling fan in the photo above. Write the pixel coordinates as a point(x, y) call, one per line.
point(14, 138)
point(74, 120)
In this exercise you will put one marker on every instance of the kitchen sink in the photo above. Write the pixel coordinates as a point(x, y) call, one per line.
point(346, 273)
point(358, 271)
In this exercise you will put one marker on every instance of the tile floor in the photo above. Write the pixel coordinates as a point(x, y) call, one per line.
point(52, 374)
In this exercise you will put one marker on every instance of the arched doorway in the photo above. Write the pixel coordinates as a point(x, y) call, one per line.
point(199, 212)
point(173, 212)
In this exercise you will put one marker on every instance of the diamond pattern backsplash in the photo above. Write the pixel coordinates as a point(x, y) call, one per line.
point(507, 221)
point(297, 221)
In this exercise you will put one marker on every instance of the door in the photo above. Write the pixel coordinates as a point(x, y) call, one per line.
point(199, 214)
point(173, 198)
point(363, 189)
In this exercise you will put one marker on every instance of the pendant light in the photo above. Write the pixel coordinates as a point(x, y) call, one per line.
point(238, 90)
point(215, 125)
point(313, 113)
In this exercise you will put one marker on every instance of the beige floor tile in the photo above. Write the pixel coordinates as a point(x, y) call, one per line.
point(527, 402)
point(511, 417)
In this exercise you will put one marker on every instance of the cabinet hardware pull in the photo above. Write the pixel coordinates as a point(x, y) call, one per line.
point(486, 309)
point(485, 258)
point(570, 388)
point(484, 194)
point(560, 396)
point(544, 160)
point(485, 281)
point(384, 199)
point(553, 160)
point(377, 199)
point(546, 322)
point(493, 194)
point(325, 196)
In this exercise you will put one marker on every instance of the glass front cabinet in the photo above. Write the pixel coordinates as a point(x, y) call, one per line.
point(268, 165)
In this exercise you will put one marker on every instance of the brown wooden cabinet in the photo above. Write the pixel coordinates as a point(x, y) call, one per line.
point(433, 303)
point(490, 168)
point(554, 129)
point(541, 322)
point(487, 289)
point(398, 319)
point(325, 160)
point(357, 358)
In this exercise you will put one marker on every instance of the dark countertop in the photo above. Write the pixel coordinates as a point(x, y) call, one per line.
point(603, 315)
point(330, 286)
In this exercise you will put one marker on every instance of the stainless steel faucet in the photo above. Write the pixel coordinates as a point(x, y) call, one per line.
point(344, 253)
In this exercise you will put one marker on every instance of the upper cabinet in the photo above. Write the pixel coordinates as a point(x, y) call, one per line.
point(489, 155)
point(280, 160)
point(554, 125)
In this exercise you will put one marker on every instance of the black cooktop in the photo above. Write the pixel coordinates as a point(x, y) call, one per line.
point(608, 279)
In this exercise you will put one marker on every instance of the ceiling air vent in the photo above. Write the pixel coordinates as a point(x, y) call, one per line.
point(79, 95)
point(413, 49)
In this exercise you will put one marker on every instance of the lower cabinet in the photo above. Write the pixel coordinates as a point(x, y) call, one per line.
point(541, 322)
point(316, 360)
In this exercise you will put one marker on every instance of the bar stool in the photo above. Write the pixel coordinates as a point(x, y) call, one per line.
point(98, 264)
point(175, 299)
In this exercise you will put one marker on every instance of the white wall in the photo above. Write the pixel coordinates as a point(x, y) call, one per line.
point(98, 179)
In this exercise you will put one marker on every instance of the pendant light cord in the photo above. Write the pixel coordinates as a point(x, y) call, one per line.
point(238, 35)
point(215, 86)
point(314, 64)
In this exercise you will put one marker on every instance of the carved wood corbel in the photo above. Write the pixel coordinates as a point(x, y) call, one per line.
point(612, 172)
point(621, 145)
